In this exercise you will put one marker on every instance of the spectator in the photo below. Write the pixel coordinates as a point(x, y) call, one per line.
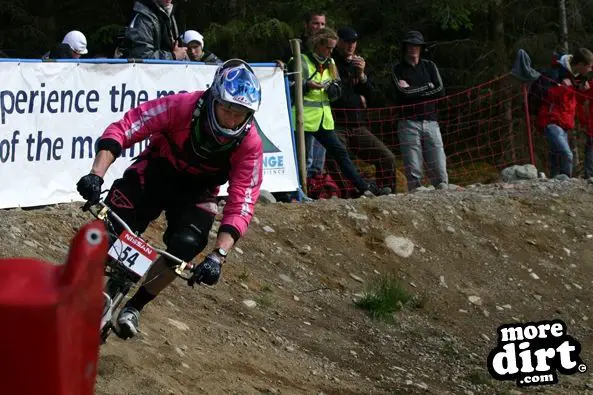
point(73, 46)
point(152, 33)
point(314, 21)
point(557, 111)
point(417, 84)
point(61, 51)
point(320, 87)
point(357, 92)
point(195, 48)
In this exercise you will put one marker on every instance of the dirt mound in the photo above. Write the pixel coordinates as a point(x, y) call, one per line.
point(470, 259)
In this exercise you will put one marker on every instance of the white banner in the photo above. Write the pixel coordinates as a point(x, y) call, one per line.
point(52, 113)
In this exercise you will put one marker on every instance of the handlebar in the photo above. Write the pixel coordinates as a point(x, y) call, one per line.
point(101, 211)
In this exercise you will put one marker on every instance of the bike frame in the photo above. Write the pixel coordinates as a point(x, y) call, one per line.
point(104, 212)
point(121, 278)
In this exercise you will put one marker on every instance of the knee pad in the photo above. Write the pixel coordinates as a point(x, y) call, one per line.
point(185, 243)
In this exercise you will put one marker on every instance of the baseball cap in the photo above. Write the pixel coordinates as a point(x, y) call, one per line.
point(348, 34)
point(77, 41)
point(192, 35)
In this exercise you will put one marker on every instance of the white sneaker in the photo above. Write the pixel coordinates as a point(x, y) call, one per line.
point(128, 322)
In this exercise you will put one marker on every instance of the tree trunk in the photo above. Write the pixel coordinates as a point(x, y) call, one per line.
point(500, 68)
point(497, 27)
point(563, 25)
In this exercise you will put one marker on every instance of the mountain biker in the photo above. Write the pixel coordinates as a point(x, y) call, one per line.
point(198, 142)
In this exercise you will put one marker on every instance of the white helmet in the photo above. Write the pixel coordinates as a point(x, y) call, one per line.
point(235, 84)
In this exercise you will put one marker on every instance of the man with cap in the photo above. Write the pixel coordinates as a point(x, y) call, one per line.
point(77, 42)
point(417, 83)
point(195, 48)
point(73, 46)
point(358, 92)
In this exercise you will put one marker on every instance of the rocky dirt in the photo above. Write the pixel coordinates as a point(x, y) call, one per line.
point(481, 257)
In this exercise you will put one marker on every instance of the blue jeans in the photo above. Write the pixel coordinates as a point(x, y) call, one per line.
point(315, 157)
point(589, 157)
point(337, 151)
point(421, 141)
point(560, 152)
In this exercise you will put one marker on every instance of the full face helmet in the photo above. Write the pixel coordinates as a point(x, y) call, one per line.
point(235, 86)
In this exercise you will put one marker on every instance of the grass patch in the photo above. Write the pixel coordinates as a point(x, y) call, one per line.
point(384, 298)
point(244, 276)
point(449, 351)
point(266, 297)
point(478, 377)
point(265, 300)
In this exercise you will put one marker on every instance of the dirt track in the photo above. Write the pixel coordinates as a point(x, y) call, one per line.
point(306, 336)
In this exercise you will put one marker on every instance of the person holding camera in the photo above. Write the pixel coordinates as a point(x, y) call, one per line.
point(321, 85)
point(359, 92)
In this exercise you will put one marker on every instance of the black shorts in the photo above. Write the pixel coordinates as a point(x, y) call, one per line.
point(140, 198)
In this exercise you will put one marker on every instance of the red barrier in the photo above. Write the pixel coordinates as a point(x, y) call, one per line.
point(50, 317)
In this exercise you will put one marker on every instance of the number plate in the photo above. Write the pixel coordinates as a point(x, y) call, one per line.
point(133, 253)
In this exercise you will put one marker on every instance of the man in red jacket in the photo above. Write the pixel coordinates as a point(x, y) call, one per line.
point(558, 108)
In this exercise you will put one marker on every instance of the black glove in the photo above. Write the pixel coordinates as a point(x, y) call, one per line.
point(89, 187)
point(207, 272)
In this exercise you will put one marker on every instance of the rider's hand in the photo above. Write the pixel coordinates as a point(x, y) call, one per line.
point(207, 272)
point(89, 187)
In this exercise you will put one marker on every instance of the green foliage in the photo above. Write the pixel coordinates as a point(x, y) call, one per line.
point(454, 14)
point(468, 49)
point(385, 297)
point(259, 41)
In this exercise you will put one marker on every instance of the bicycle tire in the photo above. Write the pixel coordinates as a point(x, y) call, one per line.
point(116, 289)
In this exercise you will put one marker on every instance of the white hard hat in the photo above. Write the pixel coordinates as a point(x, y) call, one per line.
point(192, 35)
point(77, 41)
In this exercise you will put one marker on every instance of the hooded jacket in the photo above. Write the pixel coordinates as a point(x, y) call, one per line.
point(152, 32)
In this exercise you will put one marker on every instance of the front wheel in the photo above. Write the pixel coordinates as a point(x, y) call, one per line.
point(115, 291)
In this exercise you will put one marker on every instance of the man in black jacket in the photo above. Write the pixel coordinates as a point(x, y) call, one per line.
point(417, 85)
point(358, 93)
point(153, 32)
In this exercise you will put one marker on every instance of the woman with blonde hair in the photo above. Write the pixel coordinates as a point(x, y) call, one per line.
point(321, 85)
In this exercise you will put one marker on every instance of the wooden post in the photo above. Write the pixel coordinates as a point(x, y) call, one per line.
point(298, 104)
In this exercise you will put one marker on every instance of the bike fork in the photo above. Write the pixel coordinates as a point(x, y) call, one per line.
point(111, 303)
